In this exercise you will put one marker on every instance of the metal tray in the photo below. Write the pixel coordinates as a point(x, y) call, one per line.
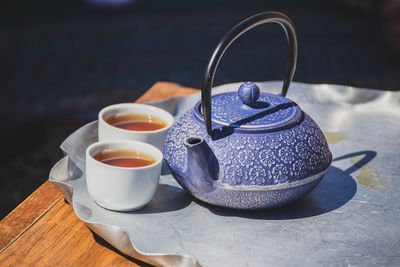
point(351, 218)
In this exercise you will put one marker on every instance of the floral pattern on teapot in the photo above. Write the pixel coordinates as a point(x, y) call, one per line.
point(255, 159)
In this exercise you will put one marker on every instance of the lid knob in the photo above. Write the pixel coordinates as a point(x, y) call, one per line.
point(249, 93)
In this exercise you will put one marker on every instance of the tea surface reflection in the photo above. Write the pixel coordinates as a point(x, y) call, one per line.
point(136, 122)
point(124, 158)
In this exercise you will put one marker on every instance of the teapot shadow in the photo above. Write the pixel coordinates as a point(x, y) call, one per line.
point(334, 190)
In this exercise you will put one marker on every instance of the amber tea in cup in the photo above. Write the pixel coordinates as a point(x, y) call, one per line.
point(124, 158)
point(136, 122)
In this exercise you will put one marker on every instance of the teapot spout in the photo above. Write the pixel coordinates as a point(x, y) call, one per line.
point(203, 167)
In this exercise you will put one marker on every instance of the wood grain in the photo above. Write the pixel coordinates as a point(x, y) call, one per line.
point(59, 238)
point(44, 230)
point(32, 208)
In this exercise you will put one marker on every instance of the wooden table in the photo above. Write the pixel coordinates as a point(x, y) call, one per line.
point(44, 230)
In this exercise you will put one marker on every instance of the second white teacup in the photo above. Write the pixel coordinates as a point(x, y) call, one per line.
point(108, 132)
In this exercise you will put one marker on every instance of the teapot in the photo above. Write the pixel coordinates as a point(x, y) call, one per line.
point(247, 149)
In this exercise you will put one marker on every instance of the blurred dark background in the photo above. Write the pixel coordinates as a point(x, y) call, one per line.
point(61, 61)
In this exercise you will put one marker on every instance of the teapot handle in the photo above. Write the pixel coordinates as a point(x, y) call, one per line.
point(231, 36)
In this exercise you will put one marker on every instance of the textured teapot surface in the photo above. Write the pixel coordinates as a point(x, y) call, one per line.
point(248, 156)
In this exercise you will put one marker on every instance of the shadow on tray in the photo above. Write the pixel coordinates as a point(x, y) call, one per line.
point(99, 240)
point(167, 198)
point(334, 190)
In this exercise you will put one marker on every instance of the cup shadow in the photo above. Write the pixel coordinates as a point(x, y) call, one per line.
point(334, 190)
point(167, 198)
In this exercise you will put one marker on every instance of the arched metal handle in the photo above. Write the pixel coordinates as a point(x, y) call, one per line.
point(231, 36)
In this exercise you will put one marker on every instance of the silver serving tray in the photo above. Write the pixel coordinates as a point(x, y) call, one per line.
point(351, 218)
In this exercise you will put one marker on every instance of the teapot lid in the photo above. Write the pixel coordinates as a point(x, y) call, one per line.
point(250, 109)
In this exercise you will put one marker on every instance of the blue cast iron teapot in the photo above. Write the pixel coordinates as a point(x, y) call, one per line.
point(247, 149)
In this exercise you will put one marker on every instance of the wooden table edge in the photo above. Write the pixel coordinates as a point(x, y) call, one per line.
point(43, 199)
point(19, 220)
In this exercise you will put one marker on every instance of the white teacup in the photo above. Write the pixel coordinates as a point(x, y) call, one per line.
point(155, 137)
point(122, 188)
